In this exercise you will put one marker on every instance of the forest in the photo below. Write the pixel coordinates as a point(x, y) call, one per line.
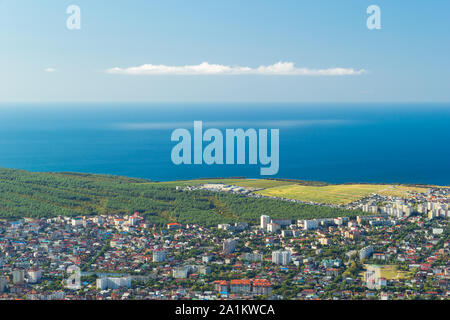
point(42, 195)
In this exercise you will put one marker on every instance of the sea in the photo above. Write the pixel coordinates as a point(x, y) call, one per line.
point(332, 142)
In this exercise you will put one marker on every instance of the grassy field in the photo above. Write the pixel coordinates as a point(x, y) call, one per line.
point(335, 194)
point(400, 191)
point(389, 272)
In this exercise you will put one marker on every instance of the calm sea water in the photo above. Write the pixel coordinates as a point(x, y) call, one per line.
point(335, 143)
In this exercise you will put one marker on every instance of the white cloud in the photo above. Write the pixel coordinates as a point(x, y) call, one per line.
point(50, 70)
point(279, 68)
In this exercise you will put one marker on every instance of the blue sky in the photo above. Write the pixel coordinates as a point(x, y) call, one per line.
point(407, 60)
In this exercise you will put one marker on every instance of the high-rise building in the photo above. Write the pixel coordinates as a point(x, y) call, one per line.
point(229, 245)
point(365, 252)
point(310, 224)
point(273, 227)
point(18, 276)
point(285, 257)
point(102, 283)
point(77, 222)
point(116, 283)
point(370, 278)
point(180, 272)
point(253, 257)
point(99, 220)
point(265, 220)
point(133, 221)
point(34, 275)
point(113, 283)
point(3, 283)
point(281, 257)
point(159, 255)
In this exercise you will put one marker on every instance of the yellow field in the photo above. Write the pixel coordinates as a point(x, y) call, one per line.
point(335, 194)
point(328, 194)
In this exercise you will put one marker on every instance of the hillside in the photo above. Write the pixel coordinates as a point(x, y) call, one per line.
point(26, 194)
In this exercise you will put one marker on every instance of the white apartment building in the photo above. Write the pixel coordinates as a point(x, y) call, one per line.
point(113, 283)
point(281, 257)
point(18, 276)
point(3, 283)
point(34, 275)
point(229, 245)
point(159, 255)
point(310, 224)
point(180, 272)
point(273, 227)
point(265, 220)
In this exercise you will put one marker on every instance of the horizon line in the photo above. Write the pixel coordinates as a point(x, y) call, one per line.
point(223, 102)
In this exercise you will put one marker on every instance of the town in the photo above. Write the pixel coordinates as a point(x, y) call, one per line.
point(399, 251)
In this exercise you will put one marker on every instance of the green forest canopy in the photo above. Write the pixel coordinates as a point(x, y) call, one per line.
point(40, 195)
